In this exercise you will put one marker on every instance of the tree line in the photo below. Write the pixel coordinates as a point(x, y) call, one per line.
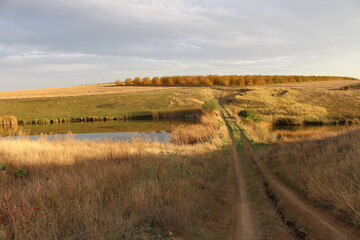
point(227, 80)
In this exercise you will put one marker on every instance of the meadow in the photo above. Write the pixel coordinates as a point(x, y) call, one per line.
point(185, 189)
point(282, 106)
point(319, 163)
point(69, 189)
point(326, 171)
point(132, 103)
point(87, 90)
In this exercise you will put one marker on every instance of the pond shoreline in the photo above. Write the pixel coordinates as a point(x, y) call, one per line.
point(191, 114)
point(116, 130)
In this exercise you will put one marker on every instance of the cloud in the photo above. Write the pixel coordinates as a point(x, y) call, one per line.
point(119, 38)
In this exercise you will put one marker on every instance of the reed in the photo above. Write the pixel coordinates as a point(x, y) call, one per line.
point(208, 130)
point(110, 190)
point(8, 121)
point(114, 190)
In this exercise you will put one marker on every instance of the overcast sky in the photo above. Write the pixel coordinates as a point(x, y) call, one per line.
point(51, 43)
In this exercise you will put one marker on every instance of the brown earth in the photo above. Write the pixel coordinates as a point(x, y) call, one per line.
point(244, 227)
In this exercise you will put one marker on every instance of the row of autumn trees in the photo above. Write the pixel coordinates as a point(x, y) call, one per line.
point(227, 80)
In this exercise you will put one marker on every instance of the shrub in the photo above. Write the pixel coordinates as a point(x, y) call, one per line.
point(233, 80)
point(211, 105)
point(4, 166)
point(128, 81)
point(249, 114)
point(167, 80)
point(156, 81)
point(21, 172)
point(137, 81)
point(146, 81)
point(118, 82)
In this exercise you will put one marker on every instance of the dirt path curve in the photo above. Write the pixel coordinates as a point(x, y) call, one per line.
point(243, 228)
point(323, 226)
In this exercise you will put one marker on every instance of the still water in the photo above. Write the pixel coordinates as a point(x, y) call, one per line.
point(115, 130)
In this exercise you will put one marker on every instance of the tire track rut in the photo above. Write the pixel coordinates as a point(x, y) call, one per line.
point(322, 226)
point(244, 227)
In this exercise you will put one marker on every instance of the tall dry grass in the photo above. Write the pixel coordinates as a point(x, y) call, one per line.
point(327, 171)
point(6, 121)
point(89, 90)
point(69, 189)
point(206, 131)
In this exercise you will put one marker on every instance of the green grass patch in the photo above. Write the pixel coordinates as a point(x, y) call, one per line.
point(124, 104)
point(211, 105)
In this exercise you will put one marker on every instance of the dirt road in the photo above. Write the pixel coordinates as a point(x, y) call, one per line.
point(321, 225)
point(244, 225)
point(255, 217)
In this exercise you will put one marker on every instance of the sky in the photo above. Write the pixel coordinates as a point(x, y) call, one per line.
point(55, 43)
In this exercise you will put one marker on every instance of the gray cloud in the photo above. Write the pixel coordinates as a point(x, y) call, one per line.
point(58, 43)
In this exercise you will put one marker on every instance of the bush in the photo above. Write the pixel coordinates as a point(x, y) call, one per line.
point(211, 105)
point(156, 81)
point(21, 172)
point(146, 81)
point(118, 82)
point(250, 114)
point(137, 81)
point(128, 81)
point(233, 80)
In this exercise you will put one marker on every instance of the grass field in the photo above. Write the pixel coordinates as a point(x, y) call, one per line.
point(286, 106)
point(320, 163)
point(178, 190)
point(115, 190)
point(317, 85)
point(98, 89)
point(326, 171)
point(136, 103)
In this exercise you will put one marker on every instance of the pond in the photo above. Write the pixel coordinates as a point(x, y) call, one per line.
point(114, 130)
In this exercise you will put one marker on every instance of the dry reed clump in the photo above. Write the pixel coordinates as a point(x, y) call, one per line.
point(8, 121)
point(107, 190)
point(207, 131)
point(326, 171)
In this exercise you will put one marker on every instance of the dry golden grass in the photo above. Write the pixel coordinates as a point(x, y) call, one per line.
point(326, 171)
point(8, 121)
point(111, 190)
point(316, 85)
point(285, 106)
point(264, 132)
point(310, 133)
point(200, 133)
point(77, 91)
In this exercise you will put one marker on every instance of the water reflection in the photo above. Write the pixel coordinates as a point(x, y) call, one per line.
point(117, 130)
